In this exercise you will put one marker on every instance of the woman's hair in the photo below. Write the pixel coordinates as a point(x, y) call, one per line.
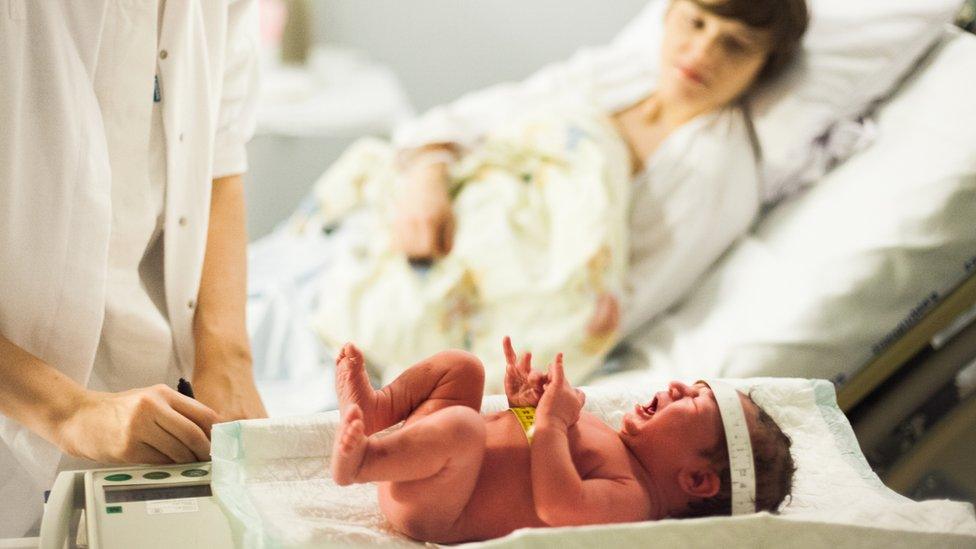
point(773, 464)
point(786, 21)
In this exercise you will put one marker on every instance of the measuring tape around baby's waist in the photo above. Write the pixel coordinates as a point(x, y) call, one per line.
point(526, 418)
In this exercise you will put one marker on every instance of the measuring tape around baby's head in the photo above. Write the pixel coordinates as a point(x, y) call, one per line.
point(741, 468)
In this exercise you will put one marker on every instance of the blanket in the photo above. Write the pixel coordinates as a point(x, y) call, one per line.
point(541, 208)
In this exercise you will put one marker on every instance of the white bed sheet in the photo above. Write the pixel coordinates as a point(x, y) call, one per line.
point(271, 477)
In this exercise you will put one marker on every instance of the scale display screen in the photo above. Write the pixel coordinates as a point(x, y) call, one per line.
point(127, 494)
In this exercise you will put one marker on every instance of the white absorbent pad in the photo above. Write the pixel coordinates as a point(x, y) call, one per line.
point(541, 210)
point(272, 478)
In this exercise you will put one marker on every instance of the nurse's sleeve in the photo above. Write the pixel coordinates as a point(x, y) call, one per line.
point(236, 112)
point(613, 76)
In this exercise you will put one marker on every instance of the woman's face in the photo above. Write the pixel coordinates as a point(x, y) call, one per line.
point(708, 61)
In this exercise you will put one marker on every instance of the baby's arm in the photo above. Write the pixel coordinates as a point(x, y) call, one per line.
point(562, 497)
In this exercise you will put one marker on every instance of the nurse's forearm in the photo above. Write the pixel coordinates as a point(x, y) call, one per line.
point(219, 324)
point(223, 377)
point(33, 393)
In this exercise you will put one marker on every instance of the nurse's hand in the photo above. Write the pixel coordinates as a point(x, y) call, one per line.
point(231, 393)
point(152, 425)
point(424, 221)
point(606, 316)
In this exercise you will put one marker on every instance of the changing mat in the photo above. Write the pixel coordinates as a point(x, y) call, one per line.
point(271, 477)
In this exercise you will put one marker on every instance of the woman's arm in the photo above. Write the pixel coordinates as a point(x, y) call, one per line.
point(424, 223)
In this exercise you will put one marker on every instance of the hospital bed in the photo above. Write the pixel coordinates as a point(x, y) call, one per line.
point(913, 408)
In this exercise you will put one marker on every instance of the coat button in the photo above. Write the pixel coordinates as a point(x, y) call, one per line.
point(181, 137)
point(191, 304)
point(163, 54)
point(182, 221)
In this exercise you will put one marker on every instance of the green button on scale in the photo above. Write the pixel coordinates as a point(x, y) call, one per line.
point(156, 475)
point(118, 477)
point(194, 473)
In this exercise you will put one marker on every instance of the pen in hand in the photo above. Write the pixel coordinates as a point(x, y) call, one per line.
point(184, 388)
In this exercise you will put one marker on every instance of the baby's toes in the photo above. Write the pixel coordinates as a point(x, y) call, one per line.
point(353, 354)
point(353, 434)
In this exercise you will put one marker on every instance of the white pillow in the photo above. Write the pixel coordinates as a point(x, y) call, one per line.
point(854, 53)
point(828, 280)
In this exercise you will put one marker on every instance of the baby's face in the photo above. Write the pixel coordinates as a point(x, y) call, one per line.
point(672, 430)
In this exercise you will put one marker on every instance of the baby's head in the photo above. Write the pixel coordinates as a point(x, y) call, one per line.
point(679, 439)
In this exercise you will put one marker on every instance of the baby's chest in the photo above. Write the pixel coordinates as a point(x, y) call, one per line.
point(595, 447)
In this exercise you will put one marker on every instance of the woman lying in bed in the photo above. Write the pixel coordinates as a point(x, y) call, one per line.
point(619, 187)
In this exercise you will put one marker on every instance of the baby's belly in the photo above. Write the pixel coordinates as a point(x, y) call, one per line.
point(502, 499)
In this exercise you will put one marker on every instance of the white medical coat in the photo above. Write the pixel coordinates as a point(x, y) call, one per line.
point(55, 188)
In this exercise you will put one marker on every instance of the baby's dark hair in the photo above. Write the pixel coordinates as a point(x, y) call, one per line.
point(773, 463)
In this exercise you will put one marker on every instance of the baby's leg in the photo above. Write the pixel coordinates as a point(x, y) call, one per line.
point(449, 378)
point(428, 469)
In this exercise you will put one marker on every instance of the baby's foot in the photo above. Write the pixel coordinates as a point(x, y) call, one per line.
point(349, 447)
point(353, 387)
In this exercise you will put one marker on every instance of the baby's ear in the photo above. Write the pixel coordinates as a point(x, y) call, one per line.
point(700, 483)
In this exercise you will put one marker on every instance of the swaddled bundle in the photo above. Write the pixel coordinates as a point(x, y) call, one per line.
point(541, 209)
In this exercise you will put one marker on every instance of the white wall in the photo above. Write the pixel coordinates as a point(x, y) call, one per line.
point(439, 49)
point(443, 48)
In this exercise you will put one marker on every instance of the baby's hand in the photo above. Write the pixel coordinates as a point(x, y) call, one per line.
point(560, 404)
point(523, 386)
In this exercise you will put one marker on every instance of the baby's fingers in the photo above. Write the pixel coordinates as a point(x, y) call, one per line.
point(556, 375)
point(525, 365)
point(509, 351)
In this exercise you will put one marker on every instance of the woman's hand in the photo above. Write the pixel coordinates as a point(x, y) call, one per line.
point(606, 316)
point(424, 222)
point(152, 425)
point(523, 386)
point(560, 404)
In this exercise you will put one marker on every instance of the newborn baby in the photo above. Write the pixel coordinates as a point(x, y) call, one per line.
point(452, 475)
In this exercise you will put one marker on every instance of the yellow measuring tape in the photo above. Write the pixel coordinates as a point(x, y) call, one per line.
point(526, 418)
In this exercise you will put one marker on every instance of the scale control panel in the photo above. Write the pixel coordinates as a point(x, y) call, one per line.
point(149, 506)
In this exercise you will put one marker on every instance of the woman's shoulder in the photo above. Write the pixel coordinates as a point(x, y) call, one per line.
point(726, 131)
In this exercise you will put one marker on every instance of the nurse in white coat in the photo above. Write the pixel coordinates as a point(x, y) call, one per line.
point(122, 240)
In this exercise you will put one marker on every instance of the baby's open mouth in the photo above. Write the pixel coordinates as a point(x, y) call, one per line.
point(647, 411)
